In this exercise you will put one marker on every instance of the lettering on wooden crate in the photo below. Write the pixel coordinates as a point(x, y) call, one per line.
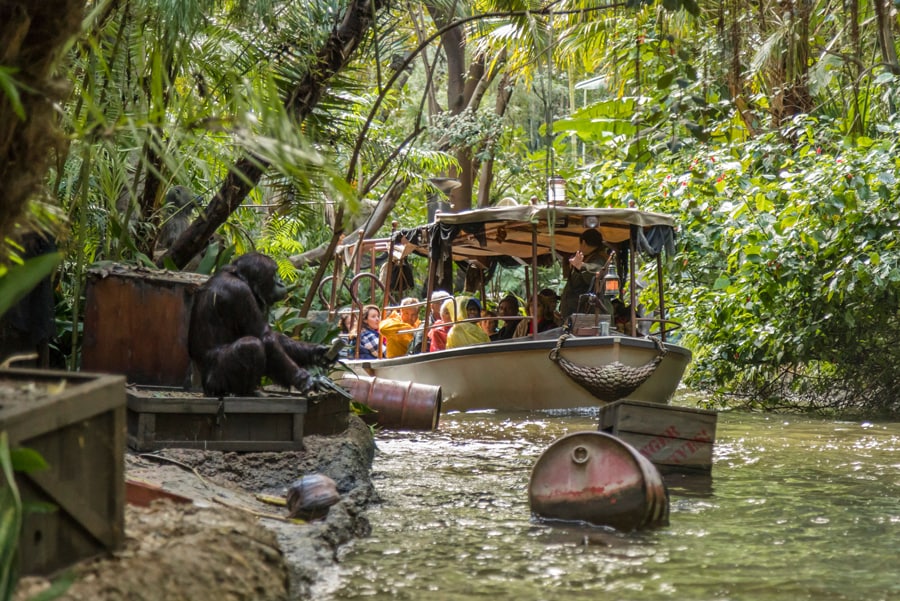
point(703, 436)
point(684, 452)
point(660, 441)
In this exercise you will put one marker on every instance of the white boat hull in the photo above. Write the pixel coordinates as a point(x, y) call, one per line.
point(519, 375)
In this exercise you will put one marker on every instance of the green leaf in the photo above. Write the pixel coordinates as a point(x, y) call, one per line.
point(146, 261)
point(57, 589)
point(38, 507)
point(665, 80)
point(21, 279)
point(10, 521)
point(11, 89)
point(690, 71)
point(27, 460)
point(361, 408)
point(722, 283)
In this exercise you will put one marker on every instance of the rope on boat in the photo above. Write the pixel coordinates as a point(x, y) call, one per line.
point(609, 382)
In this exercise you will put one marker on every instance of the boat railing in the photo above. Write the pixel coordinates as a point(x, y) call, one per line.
point(666, 325)
point(474, 320)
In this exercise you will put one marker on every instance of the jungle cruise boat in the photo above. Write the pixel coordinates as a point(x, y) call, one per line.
point(592, 360)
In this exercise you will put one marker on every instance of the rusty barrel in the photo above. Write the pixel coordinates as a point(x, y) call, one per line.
point(597, 478)
point(398, 404)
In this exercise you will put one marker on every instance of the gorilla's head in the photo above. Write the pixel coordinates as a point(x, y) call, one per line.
point(261, 274)
point(179, 197)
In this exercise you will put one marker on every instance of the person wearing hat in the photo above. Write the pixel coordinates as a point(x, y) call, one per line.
point(584, 265)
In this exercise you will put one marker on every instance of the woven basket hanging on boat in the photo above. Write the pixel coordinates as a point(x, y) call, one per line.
point(607, 382)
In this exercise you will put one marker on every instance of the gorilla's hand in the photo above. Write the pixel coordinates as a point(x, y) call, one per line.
point(327, 355)
point(302, 381)
point(322, 383)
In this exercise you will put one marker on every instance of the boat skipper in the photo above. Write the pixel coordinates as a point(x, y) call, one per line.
point(584, 265)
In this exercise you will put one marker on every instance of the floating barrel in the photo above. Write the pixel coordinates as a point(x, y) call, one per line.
point(399, 404)
point(597, 478)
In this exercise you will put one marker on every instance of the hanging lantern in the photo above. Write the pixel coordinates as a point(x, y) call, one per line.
point(611, 281)
point(556, 191)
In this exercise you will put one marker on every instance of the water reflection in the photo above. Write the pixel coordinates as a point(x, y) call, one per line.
point(795, 509)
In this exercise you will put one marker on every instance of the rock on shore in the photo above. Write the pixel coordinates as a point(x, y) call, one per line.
point(228, 543)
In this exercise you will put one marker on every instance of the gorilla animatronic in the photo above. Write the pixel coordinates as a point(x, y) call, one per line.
point(178, 206)
point(230, 339)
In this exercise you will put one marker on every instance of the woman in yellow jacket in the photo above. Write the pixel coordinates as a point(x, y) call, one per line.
point(390, 327)
point(465, 333)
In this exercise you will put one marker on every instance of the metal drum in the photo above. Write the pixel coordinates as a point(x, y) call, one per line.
point(400, 405)
point(597, 478)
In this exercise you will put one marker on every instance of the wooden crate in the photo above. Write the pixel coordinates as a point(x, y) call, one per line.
point(136, 323)
point(673, 438)
point(590, 324)
point(161, 418)
point(76, 421)
point(327, 414)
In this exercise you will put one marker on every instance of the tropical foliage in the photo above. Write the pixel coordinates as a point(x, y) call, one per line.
point(767, 127)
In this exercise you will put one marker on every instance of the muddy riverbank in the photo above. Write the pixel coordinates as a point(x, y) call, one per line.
point(231, 542)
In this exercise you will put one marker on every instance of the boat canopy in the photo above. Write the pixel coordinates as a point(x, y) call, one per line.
point(513, 230)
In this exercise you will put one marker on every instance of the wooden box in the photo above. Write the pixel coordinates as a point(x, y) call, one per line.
point(136, 323)
point(161, 418)
point(672, 438)
point(327, 414)
point(590, 324)
point(76, 421)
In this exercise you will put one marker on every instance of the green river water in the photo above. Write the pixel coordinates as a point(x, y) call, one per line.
point(795, 509)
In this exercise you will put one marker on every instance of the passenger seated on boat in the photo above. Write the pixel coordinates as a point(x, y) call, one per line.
point(393, 326)
point(466, 333)
point(583, 266)
point(548, 318)
point(437, 299)
point(473, 308)
point(437, 336)
point(489, 325)
point(434, 308)
point(622, 317)
point(347, 325)
point(508, 307)
point(367, 332)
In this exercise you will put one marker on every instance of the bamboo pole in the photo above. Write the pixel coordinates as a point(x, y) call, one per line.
point(429, 290)
point(386, 296)
point(662, 301)
point(357, 258)
point(534, 271)
point(632, 284)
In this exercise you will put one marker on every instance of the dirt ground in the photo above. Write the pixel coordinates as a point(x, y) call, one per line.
point(231, 542)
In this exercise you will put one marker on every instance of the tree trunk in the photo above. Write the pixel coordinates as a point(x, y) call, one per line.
point(486, 178)
point(334, 55)
point(372, 224)
point(32, 35)
point(886, 34)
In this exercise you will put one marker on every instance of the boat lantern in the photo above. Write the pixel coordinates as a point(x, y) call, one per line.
point(556, 191)
point(611, 281)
